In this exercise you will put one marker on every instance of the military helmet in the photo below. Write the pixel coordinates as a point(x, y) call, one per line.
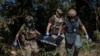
point(59, 11)
point(72, 12)
point(29, 19)
point(29, 22)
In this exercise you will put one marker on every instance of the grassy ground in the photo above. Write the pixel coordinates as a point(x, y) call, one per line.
point(88, 49)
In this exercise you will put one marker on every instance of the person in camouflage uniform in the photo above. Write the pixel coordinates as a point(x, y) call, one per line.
point(28, 34)
point(55, 24)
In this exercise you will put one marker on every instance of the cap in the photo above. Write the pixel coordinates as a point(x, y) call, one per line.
point(59, 11)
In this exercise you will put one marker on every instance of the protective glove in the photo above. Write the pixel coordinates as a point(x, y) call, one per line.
point(47, 33)
point(15, 43)
point(87, 37)
point(58, 34)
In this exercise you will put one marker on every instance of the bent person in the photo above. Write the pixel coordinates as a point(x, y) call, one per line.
point(29, 35)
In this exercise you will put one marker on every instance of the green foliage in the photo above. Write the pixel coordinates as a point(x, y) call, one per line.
point(87, 45)
point(43, 52)
point(2, 1)
point(4, 49)
point(96, 35)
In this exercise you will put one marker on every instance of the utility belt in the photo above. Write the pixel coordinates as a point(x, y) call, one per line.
point(57, 27)
point(30, 39)
point(55, 30)
point(70, 32)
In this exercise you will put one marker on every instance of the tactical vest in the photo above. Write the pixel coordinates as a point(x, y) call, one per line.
point(56, 25)
point(57, 21)
point(26, 31)
point(71, 25)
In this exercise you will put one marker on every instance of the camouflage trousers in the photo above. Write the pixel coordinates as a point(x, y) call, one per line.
point(60, 49)
point(31, 48)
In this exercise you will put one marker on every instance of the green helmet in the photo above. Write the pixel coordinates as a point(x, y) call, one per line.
point(29, 22)
point(29, 19)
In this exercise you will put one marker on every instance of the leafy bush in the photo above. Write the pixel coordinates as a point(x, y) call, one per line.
point(96, 35)
point(4, 49)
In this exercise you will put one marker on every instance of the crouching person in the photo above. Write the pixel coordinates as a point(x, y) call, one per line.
point(28, 34)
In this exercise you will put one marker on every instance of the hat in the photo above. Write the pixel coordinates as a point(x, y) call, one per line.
point(59, 11)
point(72, 12)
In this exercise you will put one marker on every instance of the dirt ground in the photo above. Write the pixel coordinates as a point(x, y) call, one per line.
point(89, 54)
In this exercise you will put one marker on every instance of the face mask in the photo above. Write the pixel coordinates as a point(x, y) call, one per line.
point(72, 17)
